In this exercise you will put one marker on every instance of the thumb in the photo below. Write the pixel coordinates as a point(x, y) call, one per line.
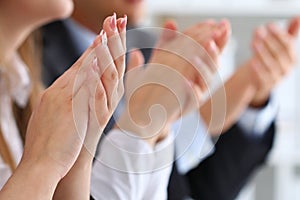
point(168, 32)
point(294, 26)
point(136, 59)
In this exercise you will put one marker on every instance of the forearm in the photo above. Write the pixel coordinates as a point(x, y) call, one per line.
point(31, 181)
point(76, 184)
point(239, 91)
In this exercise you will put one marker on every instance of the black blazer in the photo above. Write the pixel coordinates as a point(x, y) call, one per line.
point(221, 175)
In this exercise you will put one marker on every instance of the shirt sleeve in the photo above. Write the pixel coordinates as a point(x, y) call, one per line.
point(257, 121)
point(126, 165)
point(193, 143)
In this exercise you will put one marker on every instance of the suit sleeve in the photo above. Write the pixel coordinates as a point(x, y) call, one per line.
point(225, 172)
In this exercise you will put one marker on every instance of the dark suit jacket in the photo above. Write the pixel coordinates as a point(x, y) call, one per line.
point(221, 175)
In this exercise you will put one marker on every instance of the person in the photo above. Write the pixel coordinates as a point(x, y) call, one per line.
point(282, 62)
point(59, 146)
point(131, 186)
point(223, 174)
point(236, 134)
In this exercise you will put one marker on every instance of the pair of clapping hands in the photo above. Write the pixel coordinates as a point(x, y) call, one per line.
point(71, 115)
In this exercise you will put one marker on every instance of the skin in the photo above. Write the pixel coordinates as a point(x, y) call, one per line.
point(140, 102)
point(211, 35)
point(274, 56)
point(247, 93)
point(57, 158)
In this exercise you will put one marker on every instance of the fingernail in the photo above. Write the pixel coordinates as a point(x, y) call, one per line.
point(123, 22)
point(113, 21)
point(101, 32)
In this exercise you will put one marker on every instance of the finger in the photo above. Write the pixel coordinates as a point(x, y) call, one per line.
point(172, 27)
point(109, 76)
point(115, 44)
point(222, 36)
point(260, 73)
point(195, 98)
point(213, 51)
point(266, 60)
point(204, 38)
point(134, 67)
point(205, 75)
point(195, 30)
point(81, 100)
point(202, 32)
point(74, 77)
point(101, 107)
point(168, 33)
point(294, 26)
point(136, 59)
point(121, 24)
point(272, 44)
point(282, 46)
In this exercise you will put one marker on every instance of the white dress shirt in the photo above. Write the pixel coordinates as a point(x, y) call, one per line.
point(126, 167)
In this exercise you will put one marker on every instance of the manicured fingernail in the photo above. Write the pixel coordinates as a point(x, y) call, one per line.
point(123, 23)
point(113, 21)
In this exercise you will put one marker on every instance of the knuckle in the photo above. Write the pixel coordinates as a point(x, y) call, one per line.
point(46, 96)
point(100, 94)
point(113, 75)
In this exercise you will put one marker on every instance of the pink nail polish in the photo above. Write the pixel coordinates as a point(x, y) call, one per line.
point(123, 23)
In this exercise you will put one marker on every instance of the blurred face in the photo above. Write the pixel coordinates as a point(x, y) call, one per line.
point(37, 12)
point(134, 9)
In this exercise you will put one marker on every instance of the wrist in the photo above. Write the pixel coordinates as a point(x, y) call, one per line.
point(259, 101)
point(150, 133)
point(40, 177)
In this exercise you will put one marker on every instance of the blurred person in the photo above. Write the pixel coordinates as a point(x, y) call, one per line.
point(55, 163)
point(223, 174)
point(273, 58)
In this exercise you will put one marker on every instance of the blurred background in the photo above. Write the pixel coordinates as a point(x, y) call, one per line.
point(279, 179)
